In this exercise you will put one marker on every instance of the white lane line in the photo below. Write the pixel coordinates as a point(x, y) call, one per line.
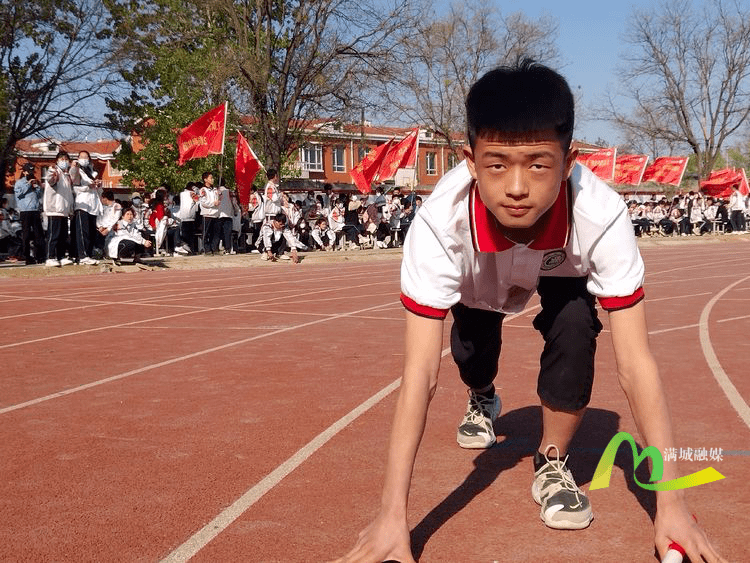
point(202, 537)
point(229, 308)
point(743, 317)
point(221, 522)
point(735, 399)
point(179, 359)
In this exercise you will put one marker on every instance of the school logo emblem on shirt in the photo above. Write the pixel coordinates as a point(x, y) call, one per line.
point(553, 259)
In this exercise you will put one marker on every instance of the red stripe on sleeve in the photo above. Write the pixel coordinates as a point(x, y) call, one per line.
point(616, 303)
point(423, 310)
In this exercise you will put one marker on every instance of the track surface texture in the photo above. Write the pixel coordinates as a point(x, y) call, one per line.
point(242, 414)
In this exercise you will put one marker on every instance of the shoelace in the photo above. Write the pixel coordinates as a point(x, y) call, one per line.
point(479, 408)
point(561, 474)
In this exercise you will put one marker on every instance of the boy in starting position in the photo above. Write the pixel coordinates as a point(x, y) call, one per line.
point(518, 216)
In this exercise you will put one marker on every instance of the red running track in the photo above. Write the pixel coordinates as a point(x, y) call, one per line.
point(243, 415)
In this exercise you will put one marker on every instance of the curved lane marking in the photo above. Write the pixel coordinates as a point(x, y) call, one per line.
point(735, 399)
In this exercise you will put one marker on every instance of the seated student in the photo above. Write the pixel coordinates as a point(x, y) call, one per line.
point(336, 218)
point(383, 233)
point(108, 216)
point(127, 240)
point(640, 223)
point(10, 241)
point(709, 215)
point(277, 239)
point(519, 216)
point(321, 231)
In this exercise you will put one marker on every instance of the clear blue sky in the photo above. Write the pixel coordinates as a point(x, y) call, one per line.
point(590, 40)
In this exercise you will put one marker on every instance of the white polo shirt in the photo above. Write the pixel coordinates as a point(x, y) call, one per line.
point(455, 252)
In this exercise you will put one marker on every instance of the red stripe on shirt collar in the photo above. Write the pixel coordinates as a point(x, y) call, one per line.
point(487, 236)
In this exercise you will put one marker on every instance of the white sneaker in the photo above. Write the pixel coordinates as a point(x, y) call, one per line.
point(255, 251)
point(181, 250)
point(563, 504)
point(284, 257)
point(66, 262)
point(232, 252)
point(475, 430)
point(52, 263)
point(264, 256)
point(88, 261)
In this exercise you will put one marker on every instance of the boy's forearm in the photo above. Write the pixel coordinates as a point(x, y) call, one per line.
point(650, 409)
point(422, 361)
point(640, 379)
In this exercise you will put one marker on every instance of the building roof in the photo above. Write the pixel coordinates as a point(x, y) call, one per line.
point(102, 149)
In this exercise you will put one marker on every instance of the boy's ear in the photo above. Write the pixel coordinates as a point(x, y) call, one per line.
point(469, 155)
point(570, 161)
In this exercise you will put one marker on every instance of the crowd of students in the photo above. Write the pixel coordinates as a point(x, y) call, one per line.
point(68, 219)
point(690, 214)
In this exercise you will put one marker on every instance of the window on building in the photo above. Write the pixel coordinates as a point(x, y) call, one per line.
point(431, 163)
point(361, 152)
point(337, 158)
point(311, 157)
point(452, 161)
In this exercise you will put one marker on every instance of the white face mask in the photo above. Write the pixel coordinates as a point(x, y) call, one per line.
point(83, 161)
point(62, 164)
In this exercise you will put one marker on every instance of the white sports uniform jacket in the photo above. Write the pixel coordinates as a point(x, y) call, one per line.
point(125, 231)
point(86, 195)
point(58, 193)
point(209, 201)
point(188, 206)
point(455, 252)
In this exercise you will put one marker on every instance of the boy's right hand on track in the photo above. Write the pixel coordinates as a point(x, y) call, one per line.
point(385, 539)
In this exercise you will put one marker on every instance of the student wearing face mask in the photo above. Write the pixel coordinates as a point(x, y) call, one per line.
point(87, 206)
point(58, 206)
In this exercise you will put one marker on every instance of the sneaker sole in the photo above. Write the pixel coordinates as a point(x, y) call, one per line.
point(478, 443)
point(475, 443)
point(557, 524)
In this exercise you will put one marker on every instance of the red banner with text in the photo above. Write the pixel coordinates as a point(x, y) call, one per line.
point(601, 163)
point(629, 168)
point(666, 170)
point(402, 155)
point(203, 136)
point(719, 183)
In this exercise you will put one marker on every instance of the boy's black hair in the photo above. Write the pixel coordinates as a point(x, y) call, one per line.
point(109, 195)
point(271, 173)
point(281, 218)
point(206, 175)
point(513, 100)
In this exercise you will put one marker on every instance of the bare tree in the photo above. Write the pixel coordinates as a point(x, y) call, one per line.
point(53, 63)
point(446, 56)
point(303, 60)
point(688, 75)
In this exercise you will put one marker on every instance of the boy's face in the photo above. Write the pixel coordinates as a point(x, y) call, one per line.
point(519, 178)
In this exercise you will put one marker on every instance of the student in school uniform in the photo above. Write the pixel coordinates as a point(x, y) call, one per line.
point(519, 216)
point(58, 204)
point(208, 199)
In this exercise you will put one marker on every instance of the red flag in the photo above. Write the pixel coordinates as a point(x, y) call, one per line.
point(601, 163)
point(719, 183)
point(364, 173)
point(402, 155)
point(629, 168)
point(666, 170)
point(744, 186)
point(246, 166)
point(203, 136)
